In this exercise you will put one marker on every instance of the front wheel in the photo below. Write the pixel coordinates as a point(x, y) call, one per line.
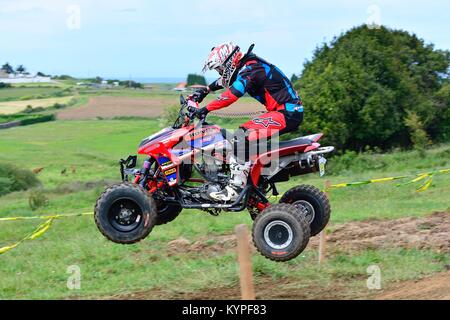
point(280, 232)
point(125, 213)
point(313, 205)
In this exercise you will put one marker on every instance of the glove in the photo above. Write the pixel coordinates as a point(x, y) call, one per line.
point(199, 94)
point(199, 112)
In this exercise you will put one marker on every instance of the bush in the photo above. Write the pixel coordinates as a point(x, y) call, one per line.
point(4, 85)
point(359, 88)
point(59, 106)
point(27, 118)
point(5, 185)
point(419, 137)
point(5, 118)
point(13, 179)
point(131, 84)
point(37, 119)
point(169, 116)
point(37, 199)
point(63, 77)
point(351, 161)
point(30, 109)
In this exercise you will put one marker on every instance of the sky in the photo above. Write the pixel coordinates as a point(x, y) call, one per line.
point(171, 38)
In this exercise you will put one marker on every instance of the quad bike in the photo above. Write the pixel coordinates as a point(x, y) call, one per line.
point(185, 163)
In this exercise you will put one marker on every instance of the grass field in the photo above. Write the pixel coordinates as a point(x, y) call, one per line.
point(18, 106)
point(30, 93)
point(78, 157)
point(55, 84)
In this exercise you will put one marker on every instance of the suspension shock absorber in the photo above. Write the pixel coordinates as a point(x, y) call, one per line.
point(144, 171)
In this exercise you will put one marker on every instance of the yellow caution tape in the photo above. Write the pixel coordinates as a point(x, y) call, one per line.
point(423, 176)
point(418, 177)
point(40, 230)
point(45, 226)
point(7, 248)
point(426, 185)
point(57, 216)
point(381, 180)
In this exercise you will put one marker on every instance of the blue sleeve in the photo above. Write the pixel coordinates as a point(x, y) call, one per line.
point(247, 78)
point(239, 86)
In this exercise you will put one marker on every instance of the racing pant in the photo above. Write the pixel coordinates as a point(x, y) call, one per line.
point(250, 138)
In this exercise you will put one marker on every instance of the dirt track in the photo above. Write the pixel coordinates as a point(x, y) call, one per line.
point(110, 107)
point(430, 232)
point(435, 287)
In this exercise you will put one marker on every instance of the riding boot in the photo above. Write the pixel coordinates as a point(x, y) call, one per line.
point(237, 182)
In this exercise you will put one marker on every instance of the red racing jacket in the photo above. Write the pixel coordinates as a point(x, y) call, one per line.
point(264, 82)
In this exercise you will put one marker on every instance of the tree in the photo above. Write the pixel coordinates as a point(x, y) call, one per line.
point(7, 68)
point(63, 77)
point(360, 88)
point(193, 79)
point(21, 69)
point(4, 85)
point(294, 78)
point(131, 84)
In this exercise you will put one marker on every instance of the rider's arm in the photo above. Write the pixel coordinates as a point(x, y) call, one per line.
point(216, 85)
point(244, 80)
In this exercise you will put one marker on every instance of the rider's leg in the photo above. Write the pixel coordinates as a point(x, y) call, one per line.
point(246, 138)
point(293, 121)
point(239, 167)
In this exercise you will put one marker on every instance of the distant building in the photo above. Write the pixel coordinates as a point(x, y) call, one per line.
point(22, 78)
point(196, 86)
point(181, 86)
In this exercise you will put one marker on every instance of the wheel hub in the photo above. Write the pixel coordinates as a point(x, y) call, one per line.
point(306, 209)
point(125, 215)
point(278, 234)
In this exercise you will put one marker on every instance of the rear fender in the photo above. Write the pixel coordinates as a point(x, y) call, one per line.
point(267, 157)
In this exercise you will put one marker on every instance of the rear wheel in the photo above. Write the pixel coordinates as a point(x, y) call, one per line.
point(167, 212)
point(125, 213)
point(280, 232)
point(312, 203)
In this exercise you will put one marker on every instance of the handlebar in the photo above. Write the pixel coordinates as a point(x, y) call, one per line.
point(192, 106)
point(187, 112)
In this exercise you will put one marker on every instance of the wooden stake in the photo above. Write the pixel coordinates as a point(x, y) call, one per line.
point(322, 245)
point(323, 233)
point(245, 262)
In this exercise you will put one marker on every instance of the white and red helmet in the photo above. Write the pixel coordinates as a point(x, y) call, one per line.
point(224, 59)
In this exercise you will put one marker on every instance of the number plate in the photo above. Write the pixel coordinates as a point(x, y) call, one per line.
point(322, 162)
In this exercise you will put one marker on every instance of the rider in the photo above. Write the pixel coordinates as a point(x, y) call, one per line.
point(247, 73)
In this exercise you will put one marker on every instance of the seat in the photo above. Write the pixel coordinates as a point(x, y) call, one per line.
point(295, 142)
